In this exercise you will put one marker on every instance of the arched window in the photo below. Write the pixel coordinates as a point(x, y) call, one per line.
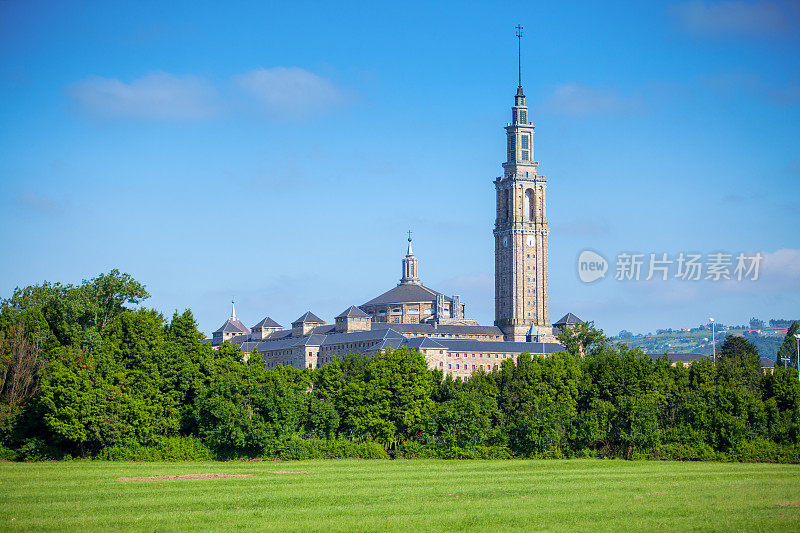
point(529, 205)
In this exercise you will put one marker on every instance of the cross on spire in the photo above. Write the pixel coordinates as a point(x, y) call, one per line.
point(409, 235)
point(518, 27)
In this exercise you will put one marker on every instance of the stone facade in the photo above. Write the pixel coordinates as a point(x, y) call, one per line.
point(455, 350)
point(521, 236)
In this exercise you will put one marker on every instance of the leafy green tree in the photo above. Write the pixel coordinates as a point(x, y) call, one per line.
point(541, 403)
point(107, 294)
point(468, 413)
point(322, 419)
point(80, 411)
point(782, 405)
point(735, 346)
point(636, 423)
point(390, 400)
point(582, 339)
point(787, 353)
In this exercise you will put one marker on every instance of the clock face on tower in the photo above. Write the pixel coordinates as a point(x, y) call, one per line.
point(531, 241)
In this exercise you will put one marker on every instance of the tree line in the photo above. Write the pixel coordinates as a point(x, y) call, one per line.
point(84, 375)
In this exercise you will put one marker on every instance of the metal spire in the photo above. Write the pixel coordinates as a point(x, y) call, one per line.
point(410, 251)
point(518, 27)
point(233, 308)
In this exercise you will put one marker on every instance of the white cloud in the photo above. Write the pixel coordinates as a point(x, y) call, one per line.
point(290, 92)
point(782, 268)
point(283, 92)
point(735, 18)
point(156, 96)
point(580, 100)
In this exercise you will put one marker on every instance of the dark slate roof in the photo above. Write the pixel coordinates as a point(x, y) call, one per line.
point(248, 346)
point(308, 318)
point(271, 343)
point(405, 293)
point(352, 311)
point(445, 329)
point(282, 334)
point(469, 345)
point(360, 336)
point(424, 342)
point(385, 343)
point(290, 342)
point(311, 340)
point(233, 325)
point(568, 320)
point(267, 323)
point(325, 329)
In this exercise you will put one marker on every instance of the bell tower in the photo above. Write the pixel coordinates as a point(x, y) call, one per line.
point(521, 231)
point(410, 275)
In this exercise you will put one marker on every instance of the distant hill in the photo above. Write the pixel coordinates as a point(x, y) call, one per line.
point(698, 340)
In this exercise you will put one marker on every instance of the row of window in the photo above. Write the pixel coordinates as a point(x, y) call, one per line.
point(488, 355)
point(466, 367)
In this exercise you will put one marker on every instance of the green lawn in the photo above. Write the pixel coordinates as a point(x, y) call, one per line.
point(403, 495)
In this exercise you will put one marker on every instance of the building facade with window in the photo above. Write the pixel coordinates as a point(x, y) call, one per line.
point(457, 350)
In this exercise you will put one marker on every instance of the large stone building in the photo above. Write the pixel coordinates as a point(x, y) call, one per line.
point(455, 349)
point(455, 345)
point(421, 318)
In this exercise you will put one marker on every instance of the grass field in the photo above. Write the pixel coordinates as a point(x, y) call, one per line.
point(343, 495)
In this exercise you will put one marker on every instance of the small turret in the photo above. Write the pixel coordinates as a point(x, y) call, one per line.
point(410, 274)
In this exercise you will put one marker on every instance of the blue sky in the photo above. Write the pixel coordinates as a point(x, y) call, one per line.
point(278, 152)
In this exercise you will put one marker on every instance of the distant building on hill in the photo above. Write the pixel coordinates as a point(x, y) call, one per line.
point(689, 358)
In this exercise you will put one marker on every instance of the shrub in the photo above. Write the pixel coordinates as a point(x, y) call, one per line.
point(301, 449)
point(764, 451)
point(7, 454)
point(415, 450)
point(165, 449)
point(38, 450)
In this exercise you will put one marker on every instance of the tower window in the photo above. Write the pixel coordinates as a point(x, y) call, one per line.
point(523, 116)
point(528, 204)
point(524, 142)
